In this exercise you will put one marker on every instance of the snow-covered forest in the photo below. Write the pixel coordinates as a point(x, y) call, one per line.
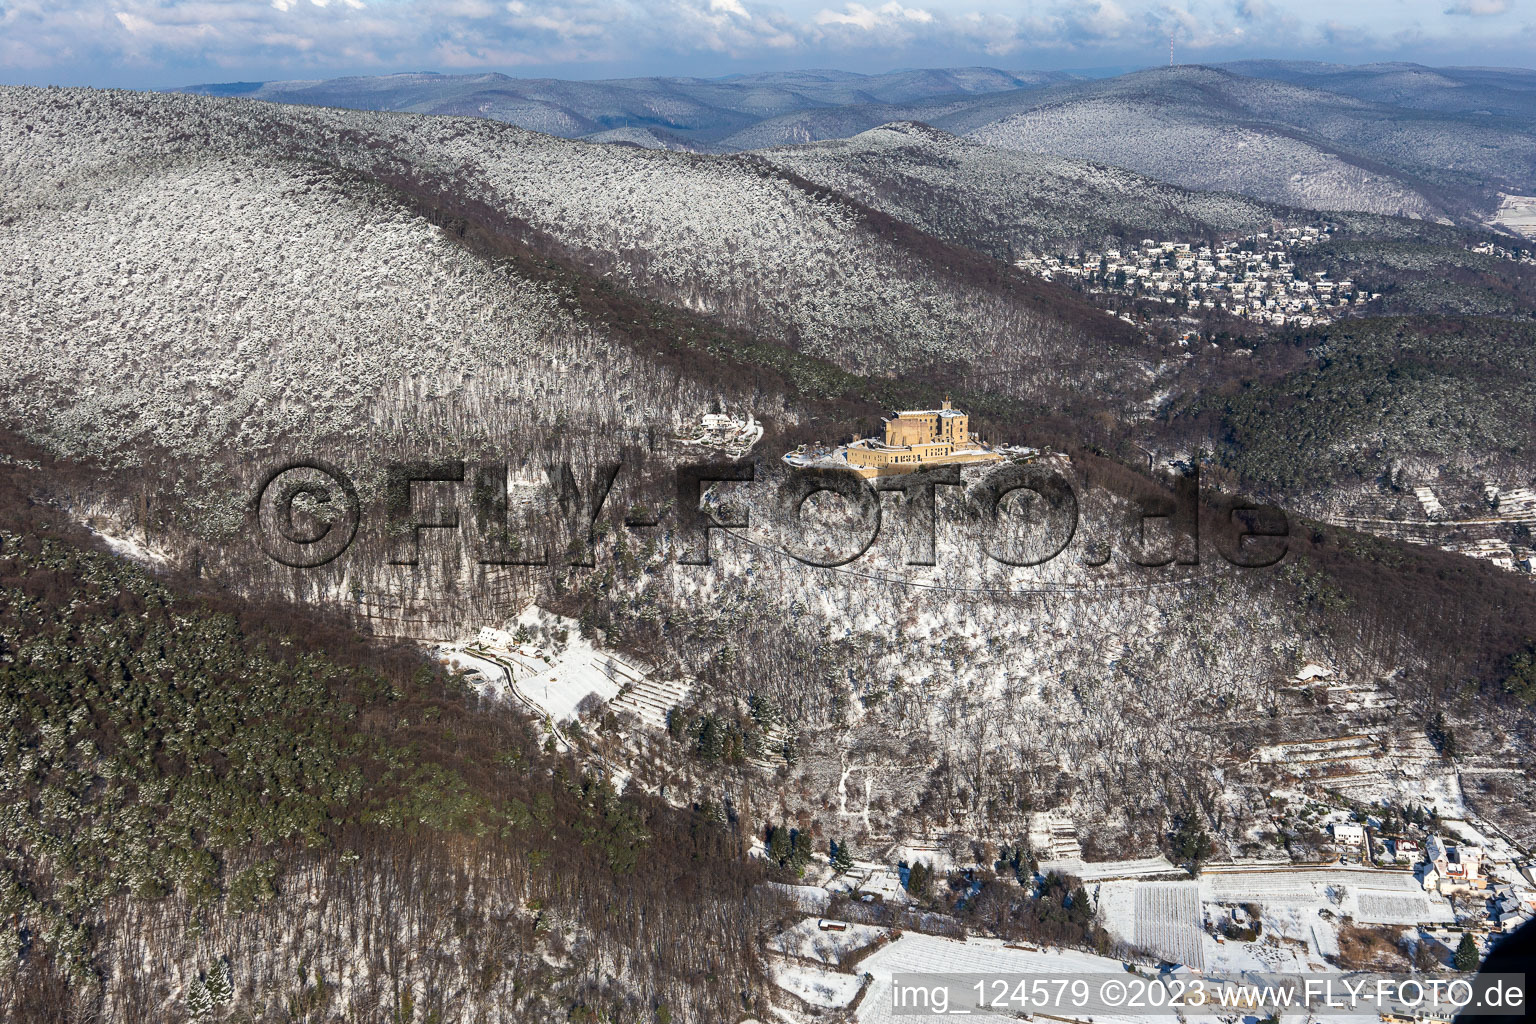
point(1010, 201)
point(196, 290)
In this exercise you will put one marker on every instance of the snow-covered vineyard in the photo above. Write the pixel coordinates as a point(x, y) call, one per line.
point(1482, 527)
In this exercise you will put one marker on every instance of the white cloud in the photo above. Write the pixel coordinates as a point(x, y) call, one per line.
point(859, 16)
point(133, 23)
point(1103, 19)
point(178, 29)
point(307, 38)
point(718, 26)
point(730, 7)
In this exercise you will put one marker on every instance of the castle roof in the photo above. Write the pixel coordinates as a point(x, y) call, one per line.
point(927, 412)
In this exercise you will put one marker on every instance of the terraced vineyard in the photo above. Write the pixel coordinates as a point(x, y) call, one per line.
point(1169, 922)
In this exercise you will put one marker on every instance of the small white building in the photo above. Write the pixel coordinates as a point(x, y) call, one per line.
point(497, 639)
point(1348, 832)
point(1513, 920)
point(1312, 670)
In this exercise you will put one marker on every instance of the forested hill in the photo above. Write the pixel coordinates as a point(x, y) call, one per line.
point(301, 819)
point(199, 289)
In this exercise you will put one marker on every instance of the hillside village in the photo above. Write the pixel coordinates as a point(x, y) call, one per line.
point(1384, 888)
point(1337, 875)
point(1253, 277)
point(1230, 919)
point(1525, 256)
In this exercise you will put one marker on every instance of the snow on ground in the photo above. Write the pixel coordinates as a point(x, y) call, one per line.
point(1375, 907)
point(559, 683)
point(1294, 937)
point(928, 852)
point(1233, 884)
point(1305, 905)
point(1301, 910)
point(827, 989)
point(555, 681)
point(129, 548)
point(929, 954)
point(868, 878)
point(1438, 790)
point(488, 678)
point(1467, 832)
point(917, 954)
point(1115, 906)
point(806, 897)
point(809, 941)
point(1517, 213)
point(1497, 849)
point(1108, 870)
point(1169, 922)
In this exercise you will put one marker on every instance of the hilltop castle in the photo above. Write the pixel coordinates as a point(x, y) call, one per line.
point(917, 439)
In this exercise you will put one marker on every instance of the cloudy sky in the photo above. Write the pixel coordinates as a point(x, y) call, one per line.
point(155, 43)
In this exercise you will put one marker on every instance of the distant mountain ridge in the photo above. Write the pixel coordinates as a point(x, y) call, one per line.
point(680, 112)
point(1397, 139)
point(1504, 91)
point(1213, 129)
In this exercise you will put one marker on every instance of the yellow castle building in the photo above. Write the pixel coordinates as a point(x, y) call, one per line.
point(918, 439)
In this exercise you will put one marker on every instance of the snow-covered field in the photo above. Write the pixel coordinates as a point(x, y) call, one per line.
point(1263, 884)
point(559, 684)
point(1376, 907)
point(1115, 870)
point(818, 987)
point(1517, 213)
point(1301, 904)
point(810, 941)
point(1307, 905)
point(914, 953)
point(1168, 922)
